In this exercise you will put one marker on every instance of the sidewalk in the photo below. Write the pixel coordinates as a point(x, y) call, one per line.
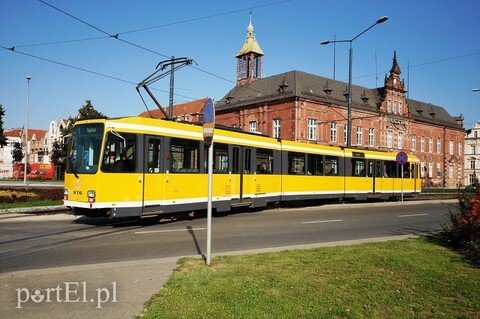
point(109, 290)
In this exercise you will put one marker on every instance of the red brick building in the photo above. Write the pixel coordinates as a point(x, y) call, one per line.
point(304, 107)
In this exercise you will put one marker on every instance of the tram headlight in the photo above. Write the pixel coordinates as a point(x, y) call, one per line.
point(65, 194)
point(91, 194)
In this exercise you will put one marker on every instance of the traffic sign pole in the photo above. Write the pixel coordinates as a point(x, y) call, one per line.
point(209, 204)
point(402, 159)
point(208, 129)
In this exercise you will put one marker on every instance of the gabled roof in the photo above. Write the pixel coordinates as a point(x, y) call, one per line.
point(323, 90)
point(193, 107)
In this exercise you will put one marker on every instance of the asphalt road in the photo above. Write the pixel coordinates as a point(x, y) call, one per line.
point(33, 242)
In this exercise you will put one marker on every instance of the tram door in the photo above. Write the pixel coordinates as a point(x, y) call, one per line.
point(153, 185)
point(242, 175)
point(377, 177)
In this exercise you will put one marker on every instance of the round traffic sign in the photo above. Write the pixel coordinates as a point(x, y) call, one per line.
point(402, 158)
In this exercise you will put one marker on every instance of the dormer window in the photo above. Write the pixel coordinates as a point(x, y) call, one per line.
point(327, 89)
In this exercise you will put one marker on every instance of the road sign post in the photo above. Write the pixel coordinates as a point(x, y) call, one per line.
point(402, 159)
point(208, 129)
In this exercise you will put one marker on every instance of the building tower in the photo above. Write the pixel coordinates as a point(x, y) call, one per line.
point(249, 58)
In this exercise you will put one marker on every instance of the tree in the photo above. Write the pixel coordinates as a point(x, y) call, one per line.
point(87, 111)
point(17, 153)
point(3, 138)
point(57, 157)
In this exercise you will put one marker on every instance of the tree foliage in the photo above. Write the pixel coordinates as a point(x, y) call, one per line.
point(3, 138)
point(17, 153)
point(87, 111)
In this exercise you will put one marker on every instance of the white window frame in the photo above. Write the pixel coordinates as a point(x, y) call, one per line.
point(252, 126)
point(333, 132)
point(371, 137)
point(312, 129)
point(276, 128)
point(359, 135)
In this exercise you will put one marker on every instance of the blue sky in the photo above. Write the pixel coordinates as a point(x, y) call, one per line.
point(437, 44)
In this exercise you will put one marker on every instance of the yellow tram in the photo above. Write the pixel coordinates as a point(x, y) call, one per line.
point(137, 167)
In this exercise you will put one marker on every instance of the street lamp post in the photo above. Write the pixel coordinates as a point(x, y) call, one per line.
point(349, 108)
point(26, 132)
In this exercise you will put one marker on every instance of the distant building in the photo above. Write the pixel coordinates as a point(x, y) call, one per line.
point(472, 154)
point(304, 107)
point(184, 112)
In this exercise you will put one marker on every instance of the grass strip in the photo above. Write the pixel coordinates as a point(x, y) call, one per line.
point(37, 203)
point(413, 278)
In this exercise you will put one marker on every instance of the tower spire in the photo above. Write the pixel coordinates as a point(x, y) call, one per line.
point(249, 58)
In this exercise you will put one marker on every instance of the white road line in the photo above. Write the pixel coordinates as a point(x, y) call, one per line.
point(412, 215)
point(165, 231)
point(323, 221)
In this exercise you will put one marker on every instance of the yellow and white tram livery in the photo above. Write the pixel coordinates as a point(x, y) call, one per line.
point(137, 167)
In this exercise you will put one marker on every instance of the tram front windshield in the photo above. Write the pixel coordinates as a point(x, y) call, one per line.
point(85, 149)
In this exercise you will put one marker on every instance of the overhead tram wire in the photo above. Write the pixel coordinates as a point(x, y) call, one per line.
point(116, 36)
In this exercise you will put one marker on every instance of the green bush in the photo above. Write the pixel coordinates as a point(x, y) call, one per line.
point(463, 227)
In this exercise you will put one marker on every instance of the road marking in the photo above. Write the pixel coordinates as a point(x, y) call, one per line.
point(413, 215)
point(166, 231)
point(323, 221)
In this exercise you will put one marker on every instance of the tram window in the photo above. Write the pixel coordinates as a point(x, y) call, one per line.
point(331, 165)
point(120, 153)
point(84, 153)
point(248, 161)
point(264, 161)
point(184, 156)
point(296, 163)
point(358, 167)
point(235, 161)
point(370, 167)
point(220, 158)
point(315, 164)
point(406, 171)
point(378, 169)
point(390, 169)
point(153, 165)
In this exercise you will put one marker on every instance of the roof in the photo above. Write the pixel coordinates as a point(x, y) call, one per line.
point(193, 107)
point(17, 132)
point(251, 44)
point(293, 84)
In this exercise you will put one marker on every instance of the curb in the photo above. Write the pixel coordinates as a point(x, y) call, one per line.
point(34, 210)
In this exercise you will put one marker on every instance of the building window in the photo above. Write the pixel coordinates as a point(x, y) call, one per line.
point(414, 142)
point(395, 107)
point(460, 149)
point(333, 132)
point(400, 140)
point(430, 169)
point(371, 137)
point(422, 144)
point(450, 147)
point(439, 170)
point(390, 139)
point(472, 149)
point(439, 146)
point(472, 164)
point(312, 129)
point(400, 108)
point(389, 105)
point(430, 144)
point(359, 135)
point(276, 128)
point(345, 133)
point(472, 179)
point(422, 169)
point(252, 126)
point(450, 171)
